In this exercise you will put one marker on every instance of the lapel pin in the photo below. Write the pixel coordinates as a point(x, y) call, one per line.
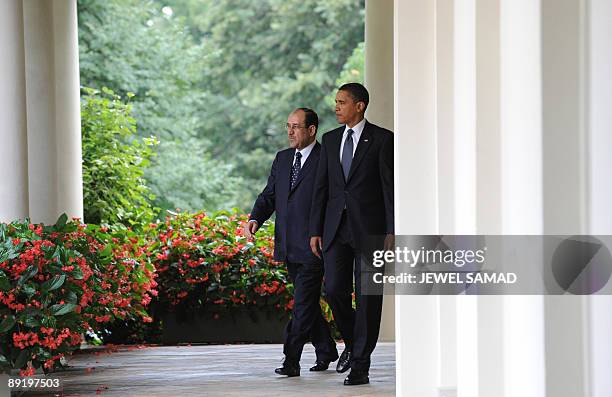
point(365, 140)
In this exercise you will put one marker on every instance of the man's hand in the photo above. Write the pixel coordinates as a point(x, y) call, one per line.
point(389, 244)
point(250, 228)
point(316, 246)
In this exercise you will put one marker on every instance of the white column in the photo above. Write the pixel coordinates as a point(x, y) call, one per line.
point(464, 115)
point(40, 93)
point(464, 167)
point(599, 115)
point(379, 81)
point(445, 69)
point(54, 136)
point(417, 328)
point(379, 61)
point(13, 141)
point(67, 109)
point(599, 121)
point(489, 322)
point(521, 133)
point(488, 120)
point(445, 113)
point(564, 175)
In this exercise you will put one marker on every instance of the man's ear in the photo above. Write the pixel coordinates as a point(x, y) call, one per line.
point(361, 106)
point(312, 131)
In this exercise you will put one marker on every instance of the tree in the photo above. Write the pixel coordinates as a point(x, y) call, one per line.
point(200, 182)
point(114, 190)
point(271, 56)
point(224, 74)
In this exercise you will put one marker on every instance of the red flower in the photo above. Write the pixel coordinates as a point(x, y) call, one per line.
point(29, 371)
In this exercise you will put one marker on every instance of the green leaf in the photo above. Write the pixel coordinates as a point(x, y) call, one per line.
point(49, 321)
point(31, 311)
point(61, 221)
point(71, 297)
point(3, 361)
point(29, 290)
point(61, 309)
point(57, 252)
point(32, 322)
point(107, 251)
point(5, 284)
point(54, 283)
point(77, 273)
point(29, 273)
point(23, 358)
point(7, 324)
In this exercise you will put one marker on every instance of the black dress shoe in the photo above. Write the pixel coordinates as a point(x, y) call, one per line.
point(357, 378)
point(344, 362)
point(320, 366)
point(288, 369)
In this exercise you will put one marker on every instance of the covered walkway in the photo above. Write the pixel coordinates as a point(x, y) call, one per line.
point(215, 370)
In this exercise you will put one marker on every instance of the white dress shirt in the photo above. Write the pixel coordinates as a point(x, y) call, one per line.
point(357, 130)
point(305, 153)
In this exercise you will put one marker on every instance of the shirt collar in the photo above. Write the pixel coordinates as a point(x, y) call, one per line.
point(357, 129)
point(306, 151)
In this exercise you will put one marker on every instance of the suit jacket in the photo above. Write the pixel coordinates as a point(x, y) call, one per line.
point(292, 206)
point(367, 194)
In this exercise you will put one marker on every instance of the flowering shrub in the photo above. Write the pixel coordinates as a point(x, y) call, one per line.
point(58, 282)
point(205, 261)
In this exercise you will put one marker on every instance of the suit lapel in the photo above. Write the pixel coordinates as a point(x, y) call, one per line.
point(363, 146)
point(284, 173)
point(308, 165)
point(334, 151)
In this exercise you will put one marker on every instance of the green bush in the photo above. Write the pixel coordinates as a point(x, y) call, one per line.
point(205, 265)
point(59, 282)
point(205, 262)
point(114, 189)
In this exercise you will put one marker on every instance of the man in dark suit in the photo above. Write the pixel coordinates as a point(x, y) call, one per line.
point(352, 214)
point(289, 194)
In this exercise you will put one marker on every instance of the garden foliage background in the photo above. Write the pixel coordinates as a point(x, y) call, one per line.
point(183, 105)
point(214, 81)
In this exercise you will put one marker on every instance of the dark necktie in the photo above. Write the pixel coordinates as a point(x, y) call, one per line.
point(347, 153)
point(295, 169)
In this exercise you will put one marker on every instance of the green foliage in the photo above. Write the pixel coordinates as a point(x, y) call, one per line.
point(131, 46)
point(271, 56)
point(205, 262)
point(223, 73)
point(114, 190)
point(60, 281)
point(353, 71)
point(199, 181)
point(205, 265)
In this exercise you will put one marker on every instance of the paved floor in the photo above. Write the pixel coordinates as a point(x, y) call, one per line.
point(215, 370)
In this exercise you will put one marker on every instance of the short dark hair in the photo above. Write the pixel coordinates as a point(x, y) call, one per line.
point(357, 91)
point(310, 117)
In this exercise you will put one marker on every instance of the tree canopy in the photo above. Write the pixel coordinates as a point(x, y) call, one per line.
point(215, 80)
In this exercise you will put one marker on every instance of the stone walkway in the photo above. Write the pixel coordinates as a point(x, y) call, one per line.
point(215, 370)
